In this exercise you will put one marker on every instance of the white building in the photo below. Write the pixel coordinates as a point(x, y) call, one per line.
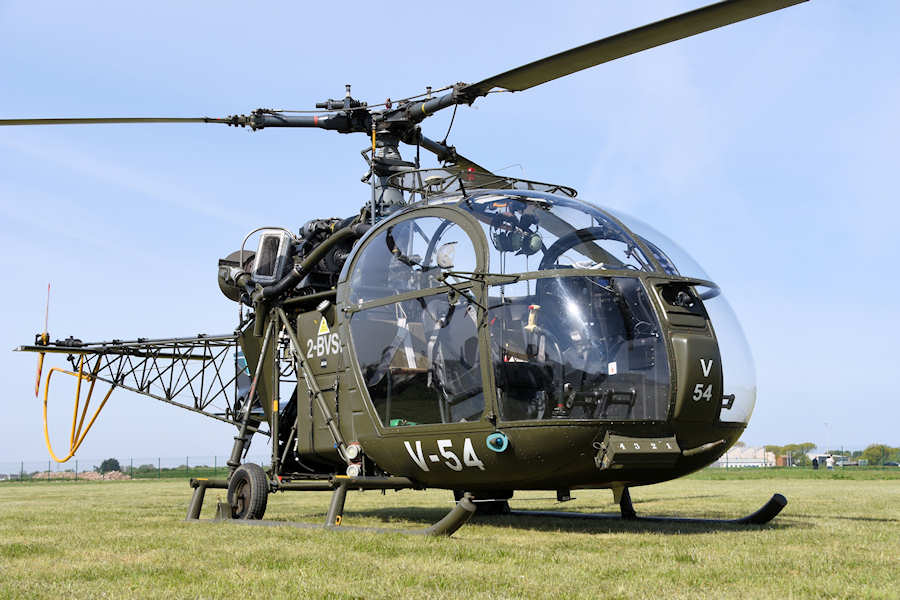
point(746, 457)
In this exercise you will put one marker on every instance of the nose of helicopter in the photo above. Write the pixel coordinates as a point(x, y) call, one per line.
point(714, 373)
point(698, 377)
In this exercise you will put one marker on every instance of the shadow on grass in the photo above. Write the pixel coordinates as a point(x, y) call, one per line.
point(808, 517)
point(874, 519)
point(612, 524)
point(667, 498)
point(609, 506)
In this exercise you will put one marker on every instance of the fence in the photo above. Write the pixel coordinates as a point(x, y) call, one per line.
point(78, 469)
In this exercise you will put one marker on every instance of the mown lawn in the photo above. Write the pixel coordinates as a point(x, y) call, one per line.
point(839, 537)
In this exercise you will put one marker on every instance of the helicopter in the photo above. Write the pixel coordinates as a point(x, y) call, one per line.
point(465, 330)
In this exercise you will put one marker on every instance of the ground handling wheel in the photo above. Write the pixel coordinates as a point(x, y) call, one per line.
point(248, 492)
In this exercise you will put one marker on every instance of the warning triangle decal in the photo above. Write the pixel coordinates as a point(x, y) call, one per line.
point(323, 328)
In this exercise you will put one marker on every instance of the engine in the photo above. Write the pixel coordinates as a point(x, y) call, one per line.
point(281, 262)
point(324, 274)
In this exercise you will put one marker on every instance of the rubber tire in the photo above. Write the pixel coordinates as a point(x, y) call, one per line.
point(248, 492)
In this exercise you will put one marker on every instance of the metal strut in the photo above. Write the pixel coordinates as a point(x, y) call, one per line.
point(241, 439)
point(340, 485)
point(310, 379)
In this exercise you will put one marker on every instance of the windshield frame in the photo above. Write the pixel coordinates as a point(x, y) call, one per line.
point(643, 280)
point(453, 208)
point(465, 202)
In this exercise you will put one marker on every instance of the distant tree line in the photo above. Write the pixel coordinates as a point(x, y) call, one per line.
point(878, 454)
point(875, 454)
point(795, 452)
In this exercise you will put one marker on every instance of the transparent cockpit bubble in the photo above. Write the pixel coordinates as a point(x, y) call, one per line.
point(673, 259)
point(570, 350)
point(540, 232)
point(739, 373)
point(409, 255)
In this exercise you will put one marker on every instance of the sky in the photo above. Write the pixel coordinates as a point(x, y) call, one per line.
point(766, 149)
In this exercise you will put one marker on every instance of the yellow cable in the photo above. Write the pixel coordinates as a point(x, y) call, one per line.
point(87, 400)
point(77, 400)
point(76, 436)
point(91, 422)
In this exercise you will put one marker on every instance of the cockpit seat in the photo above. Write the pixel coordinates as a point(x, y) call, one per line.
point(524, 388)
point(455, 368)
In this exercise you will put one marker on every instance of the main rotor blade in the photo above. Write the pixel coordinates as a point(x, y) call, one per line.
point(465, 164)
point(446, 153)
point(626, 43)
point(103, 120)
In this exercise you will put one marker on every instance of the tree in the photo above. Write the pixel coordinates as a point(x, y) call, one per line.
point(110, 464)
point(796, 452)
point(806, 447)
point(877, 454)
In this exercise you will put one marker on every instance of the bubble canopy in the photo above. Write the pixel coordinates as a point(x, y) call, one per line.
point(561, 343)
point(533, 231)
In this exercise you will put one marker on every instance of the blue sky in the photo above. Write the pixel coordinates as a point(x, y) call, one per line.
point(767, 149)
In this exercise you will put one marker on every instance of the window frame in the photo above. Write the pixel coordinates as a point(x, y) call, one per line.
point(479, 243)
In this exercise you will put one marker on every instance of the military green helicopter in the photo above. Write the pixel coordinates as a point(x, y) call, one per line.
point(465, 330)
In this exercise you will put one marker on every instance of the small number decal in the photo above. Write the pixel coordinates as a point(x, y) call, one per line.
point(469, 457)
point(445, 449)
point(702, 391)
point(452, 460)
point(323, 345)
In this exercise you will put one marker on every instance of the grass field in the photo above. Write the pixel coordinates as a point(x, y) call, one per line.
point(839, 537)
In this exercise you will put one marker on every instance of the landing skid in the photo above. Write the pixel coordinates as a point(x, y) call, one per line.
point(456, 518)
point(765, 514)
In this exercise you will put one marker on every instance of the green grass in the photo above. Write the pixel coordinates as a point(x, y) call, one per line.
point(837, 538)
point(167, 473)
point(780, 473)
point(209, 472)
